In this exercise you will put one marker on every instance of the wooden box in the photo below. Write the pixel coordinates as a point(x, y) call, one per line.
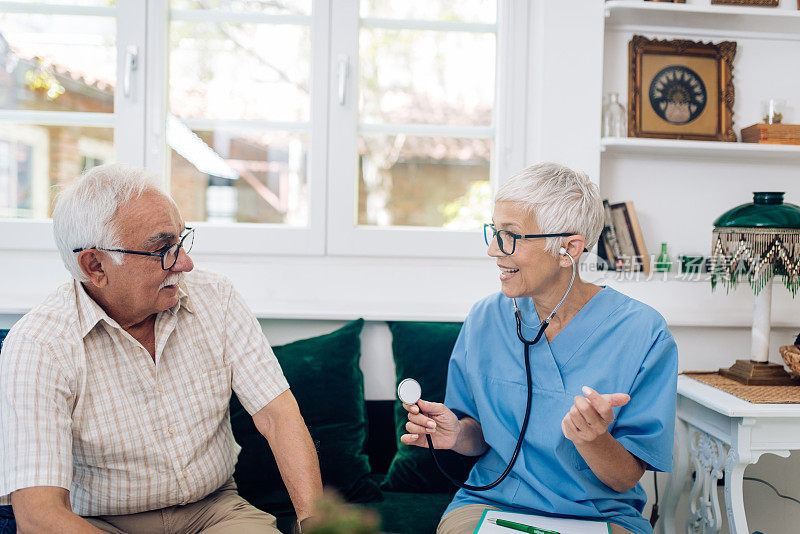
point(779, 134)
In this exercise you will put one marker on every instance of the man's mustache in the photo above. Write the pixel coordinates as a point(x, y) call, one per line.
point(172, 280)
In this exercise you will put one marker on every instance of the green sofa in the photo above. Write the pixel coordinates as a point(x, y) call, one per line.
point(358, 451)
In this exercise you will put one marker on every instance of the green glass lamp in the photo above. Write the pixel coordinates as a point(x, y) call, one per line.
point(757, 242)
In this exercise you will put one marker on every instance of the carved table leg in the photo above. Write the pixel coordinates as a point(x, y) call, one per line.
point(708, 458)
point(734, 493)
point(677, 481)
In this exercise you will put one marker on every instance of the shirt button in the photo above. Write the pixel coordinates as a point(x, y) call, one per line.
point(171, 430)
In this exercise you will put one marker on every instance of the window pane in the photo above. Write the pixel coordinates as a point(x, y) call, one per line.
point(412, 76)
point(240, 71)
point(281, 7)
point(57, 62)
point(36, 160)
point(483, 11)
point(424, 181)
point(233, 89)
point(240, 176)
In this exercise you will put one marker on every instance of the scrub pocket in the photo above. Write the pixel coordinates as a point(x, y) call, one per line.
point(505, 492)
point(578, 461)
point(546, 455)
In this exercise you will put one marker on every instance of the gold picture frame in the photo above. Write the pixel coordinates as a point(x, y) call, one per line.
point(680, 89)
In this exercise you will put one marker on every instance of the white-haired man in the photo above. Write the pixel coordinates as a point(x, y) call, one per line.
point(114, 391)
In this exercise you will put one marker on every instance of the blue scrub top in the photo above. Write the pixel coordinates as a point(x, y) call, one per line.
point(614, 344)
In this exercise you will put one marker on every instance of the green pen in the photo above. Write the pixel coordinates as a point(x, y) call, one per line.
point(520, 527)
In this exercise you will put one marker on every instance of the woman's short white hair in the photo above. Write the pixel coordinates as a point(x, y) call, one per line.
point(84, 213)
point(561, 200)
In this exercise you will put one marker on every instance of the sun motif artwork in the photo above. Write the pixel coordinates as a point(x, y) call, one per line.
point(677, 94)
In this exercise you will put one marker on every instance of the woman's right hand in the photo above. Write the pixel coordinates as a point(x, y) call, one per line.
point(430, 418)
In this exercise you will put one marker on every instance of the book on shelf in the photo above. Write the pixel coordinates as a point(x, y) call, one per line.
point(608, 248)
point(622, 241)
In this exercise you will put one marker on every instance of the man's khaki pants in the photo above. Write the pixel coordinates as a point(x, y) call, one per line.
point(463, 520)
point(224, 511)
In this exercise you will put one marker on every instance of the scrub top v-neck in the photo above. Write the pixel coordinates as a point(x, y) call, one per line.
point(614, 344)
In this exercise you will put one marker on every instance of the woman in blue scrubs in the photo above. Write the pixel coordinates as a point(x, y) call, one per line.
point(604, 373)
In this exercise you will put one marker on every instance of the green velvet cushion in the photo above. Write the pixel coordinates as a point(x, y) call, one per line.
point(326, 380)
point(422, 351)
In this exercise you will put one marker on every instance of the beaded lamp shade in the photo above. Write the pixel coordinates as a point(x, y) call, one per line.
point(757, 241)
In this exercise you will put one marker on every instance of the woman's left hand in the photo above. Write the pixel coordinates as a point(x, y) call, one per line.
point(590, 416)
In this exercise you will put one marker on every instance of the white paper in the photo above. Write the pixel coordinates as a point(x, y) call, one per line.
point(556, 524)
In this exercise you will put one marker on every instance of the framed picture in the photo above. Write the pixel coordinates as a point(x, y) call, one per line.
point(762, 3)
point(680, 89)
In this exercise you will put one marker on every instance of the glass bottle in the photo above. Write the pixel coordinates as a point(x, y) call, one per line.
point(663, 262)
point(615, 123)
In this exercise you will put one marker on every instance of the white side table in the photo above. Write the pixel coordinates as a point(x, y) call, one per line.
point(716, 432)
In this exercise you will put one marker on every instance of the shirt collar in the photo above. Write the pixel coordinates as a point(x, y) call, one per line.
point(183, 300)
point(90, 313)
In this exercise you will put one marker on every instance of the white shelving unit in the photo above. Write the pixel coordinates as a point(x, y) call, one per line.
point(633, 146)
point(708, 20)
point(699, 180)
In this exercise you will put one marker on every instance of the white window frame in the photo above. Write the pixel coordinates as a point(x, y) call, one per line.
point(40, 145)
point(348, 238)
point(247, 239)
point(127, 118)
point(139, 122)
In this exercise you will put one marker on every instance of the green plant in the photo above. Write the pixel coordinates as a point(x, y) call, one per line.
point(333, 516)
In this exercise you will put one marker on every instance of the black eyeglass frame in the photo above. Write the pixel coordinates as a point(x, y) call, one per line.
point(514, 237)
point(163, 254)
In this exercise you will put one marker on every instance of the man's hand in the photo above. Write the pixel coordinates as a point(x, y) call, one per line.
point(434, 419)
point(590, 416)
point(47, 509)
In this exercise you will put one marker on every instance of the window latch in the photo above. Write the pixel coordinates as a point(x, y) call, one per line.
point(131, 64)
point(343, 67)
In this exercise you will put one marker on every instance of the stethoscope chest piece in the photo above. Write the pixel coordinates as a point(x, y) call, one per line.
point(409, 391)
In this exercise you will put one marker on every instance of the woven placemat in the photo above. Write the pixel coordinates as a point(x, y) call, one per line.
point(754, 394)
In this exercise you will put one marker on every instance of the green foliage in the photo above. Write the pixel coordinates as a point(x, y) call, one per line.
point(469, 211)
point(334, 516)
point(41, 79)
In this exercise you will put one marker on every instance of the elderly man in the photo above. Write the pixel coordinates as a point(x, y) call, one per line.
point(114, 391)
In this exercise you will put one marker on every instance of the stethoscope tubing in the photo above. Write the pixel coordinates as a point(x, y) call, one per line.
point(529, 375)
point(525, 421)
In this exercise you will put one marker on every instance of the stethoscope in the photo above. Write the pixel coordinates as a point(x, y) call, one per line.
point(410, 392)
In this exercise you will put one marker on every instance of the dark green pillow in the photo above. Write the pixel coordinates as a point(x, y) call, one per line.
point(326, 380)
point(422, 351)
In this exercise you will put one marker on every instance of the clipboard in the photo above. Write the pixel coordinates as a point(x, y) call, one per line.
point(556, 524)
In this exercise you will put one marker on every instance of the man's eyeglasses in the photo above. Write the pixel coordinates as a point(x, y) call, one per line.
point(168, 255)
point(507, 241)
